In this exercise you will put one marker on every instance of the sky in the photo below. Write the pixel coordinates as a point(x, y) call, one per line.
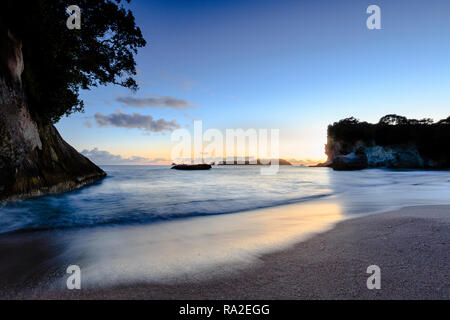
point(296, 66)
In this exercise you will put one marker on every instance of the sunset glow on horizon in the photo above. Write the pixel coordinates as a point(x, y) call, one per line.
point(295, 66)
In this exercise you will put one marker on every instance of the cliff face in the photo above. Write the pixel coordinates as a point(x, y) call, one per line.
point(34, 159)
point(360, 155)
point(394, 142)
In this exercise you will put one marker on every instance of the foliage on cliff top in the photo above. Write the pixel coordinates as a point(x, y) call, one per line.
point(431, 138)
point(59, 62)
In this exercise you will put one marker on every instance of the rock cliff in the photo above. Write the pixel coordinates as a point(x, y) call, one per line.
point(34, 159)
point(394, 142)
point(362, 155)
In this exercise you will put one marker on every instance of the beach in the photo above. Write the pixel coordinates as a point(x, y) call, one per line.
point(309, 143)
point(410, 246)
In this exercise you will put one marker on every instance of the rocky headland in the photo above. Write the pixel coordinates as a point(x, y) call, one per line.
point(394, 142)
point(34, 159)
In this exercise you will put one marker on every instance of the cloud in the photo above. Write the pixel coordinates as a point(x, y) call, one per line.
point(156, 102)
point(102, 157)
point(135, 121)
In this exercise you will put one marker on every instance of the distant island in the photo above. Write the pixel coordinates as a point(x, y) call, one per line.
point(259, 162)
point(393, 142)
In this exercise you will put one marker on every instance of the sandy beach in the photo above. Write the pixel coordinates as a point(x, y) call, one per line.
point(309, 142)
point(410, 245)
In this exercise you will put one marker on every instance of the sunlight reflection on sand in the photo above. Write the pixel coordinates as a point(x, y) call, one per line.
point(194, 248)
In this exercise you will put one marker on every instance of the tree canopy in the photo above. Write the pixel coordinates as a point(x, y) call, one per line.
point(431, 138)
point(393, 119)
point(58, 62)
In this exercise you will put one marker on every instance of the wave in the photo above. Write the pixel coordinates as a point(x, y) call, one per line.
point(142, 195)
point(17, 223)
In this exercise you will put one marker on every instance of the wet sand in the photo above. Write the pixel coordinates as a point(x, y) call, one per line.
point(411, 246)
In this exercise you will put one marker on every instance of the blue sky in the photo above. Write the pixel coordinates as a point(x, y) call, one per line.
point(293, 65)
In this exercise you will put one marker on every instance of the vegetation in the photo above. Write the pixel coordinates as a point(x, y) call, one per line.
point(59, 62)
point(432, 139)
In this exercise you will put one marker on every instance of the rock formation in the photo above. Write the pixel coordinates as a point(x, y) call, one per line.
point(34, 159)
point(410, 144)
point(363, 155)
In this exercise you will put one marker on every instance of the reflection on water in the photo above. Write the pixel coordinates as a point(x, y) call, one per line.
point(380, 190)
point(190, 247)
point(156, 224)
point(146, 194)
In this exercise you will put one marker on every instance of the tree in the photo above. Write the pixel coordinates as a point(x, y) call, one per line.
point(444, 121)
point(58, 62)
point(348, 121)
point(393, 119)
point(426, 121)
point(430, 139)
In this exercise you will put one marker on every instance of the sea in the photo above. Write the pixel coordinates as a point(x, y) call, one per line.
point(151, 223)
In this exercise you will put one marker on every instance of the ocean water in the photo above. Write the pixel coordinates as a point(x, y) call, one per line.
point(150, 223)
point(146, 194)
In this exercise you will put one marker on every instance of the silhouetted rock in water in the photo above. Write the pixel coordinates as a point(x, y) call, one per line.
point(354, 161)
point(192, 167)
point(34, 159)
point(394, 142)
point(258, 162)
